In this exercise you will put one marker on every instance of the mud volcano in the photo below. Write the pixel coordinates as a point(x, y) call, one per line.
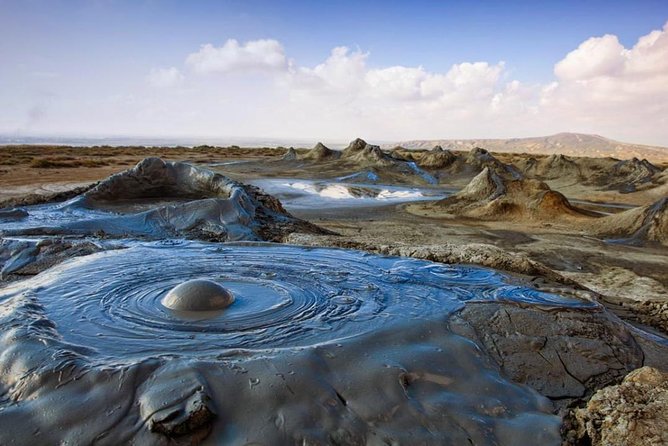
point(157, 199)
point(353, 343)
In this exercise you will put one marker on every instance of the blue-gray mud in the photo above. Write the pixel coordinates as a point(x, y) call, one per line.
point(321, 346)
point(302, 194)
point(158, 199)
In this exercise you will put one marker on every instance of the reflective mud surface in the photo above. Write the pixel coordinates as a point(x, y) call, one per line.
point(317, 346)
point(353, 343)
point(310, 194)
point(53, 214)
point(158, 199)
point(285, 296)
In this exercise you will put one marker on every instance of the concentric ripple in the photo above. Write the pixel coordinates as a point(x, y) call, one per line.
point(285, 296)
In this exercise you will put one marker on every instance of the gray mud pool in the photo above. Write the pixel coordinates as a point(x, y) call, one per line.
point(187, 342)
point(353, 343)
point(300, 194)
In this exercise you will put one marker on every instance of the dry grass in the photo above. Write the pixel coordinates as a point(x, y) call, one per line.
point(54, 157)
point(65, 162)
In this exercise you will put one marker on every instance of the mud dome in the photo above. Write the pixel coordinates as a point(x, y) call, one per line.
point(198, 295)
point(321, 346)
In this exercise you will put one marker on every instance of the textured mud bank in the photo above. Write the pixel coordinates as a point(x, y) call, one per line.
point(320, 345)
point(158, 199)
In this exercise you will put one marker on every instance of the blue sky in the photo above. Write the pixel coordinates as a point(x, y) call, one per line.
point(62, 61)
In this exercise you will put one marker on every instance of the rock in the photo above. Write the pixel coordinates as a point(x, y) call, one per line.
point(633, 413)
point(564, 355)
point(175, 402)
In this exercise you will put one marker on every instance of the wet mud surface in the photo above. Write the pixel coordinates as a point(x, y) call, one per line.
point(297, 194)
point(309, 345)
point(300, 319)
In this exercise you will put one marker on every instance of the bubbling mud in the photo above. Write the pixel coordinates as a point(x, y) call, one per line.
point(120, 303)
point(356, 344)
point(198, 295)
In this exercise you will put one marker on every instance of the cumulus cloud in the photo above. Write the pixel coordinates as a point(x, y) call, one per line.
point(345, 74)
point(254, 55)
point(164, 77)
point(595, 57)
point(342, 71)
point(599, 87)
point(616, 88)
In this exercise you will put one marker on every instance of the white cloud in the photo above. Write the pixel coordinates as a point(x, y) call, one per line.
point(342, 71)
point(254, 55)
point(599, 87)
point(595, 57)
point(397, 82)
point(164, 77)
point(615, 89)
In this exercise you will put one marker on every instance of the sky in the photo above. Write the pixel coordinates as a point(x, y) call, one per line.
point(334, 70)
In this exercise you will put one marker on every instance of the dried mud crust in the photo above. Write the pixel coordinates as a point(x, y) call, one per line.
point(631, 413)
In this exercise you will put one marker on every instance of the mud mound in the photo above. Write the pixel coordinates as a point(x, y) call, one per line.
point(481, 159)
point(604, 173)
point(634, 413)
point(200, 204)
point(321, 153)
point(491, 196)
point(437, 158)
point(627, 175)
point(359, 151)
point(646, 223)
point(553, 167)
point(446, 164)
point(290, 155)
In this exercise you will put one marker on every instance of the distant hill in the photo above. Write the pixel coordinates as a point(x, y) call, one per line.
point(572, 144)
